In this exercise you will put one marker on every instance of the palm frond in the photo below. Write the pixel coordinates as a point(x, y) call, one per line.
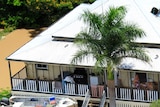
point(107, 38)
point(80, 56)
point(135, 52)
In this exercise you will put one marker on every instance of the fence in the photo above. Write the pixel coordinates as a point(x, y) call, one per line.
point(81, 89)
point(49, 87)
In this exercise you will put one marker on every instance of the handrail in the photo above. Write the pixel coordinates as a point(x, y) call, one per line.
point(18, 72)
point(86, 99)
point(103, 99)
point(82, 90)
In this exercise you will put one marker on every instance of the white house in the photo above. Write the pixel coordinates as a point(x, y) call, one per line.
point(47, 57)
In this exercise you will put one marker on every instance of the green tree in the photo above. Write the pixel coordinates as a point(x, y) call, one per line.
point(108, 39)
point(34, 13)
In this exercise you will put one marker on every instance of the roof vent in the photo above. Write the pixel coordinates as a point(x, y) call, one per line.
point(156, 57)
point(154, 11)
point(64, 39)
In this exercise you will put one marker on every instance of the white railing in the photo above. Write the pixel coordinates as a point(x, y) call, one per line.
point(131, 104)
point(43, 86)
point(56, 90)
point(123, 93)
point(139, 95)
point(75, 89)
point(81, 89)
point(17, 84)
point(69, 89)
point(31, 85)
point(152, 95)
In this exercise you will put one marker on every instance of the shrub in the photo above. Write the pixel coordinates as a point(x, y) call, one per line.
point(5, 93)
point(155, 103)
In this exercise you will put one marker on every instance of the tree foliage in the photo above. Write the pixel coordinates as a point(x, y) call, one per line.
point(34, 13)
point(107, 39)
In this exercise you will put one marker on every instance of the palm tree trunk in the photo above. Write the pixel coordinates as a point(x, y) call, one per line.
point(112, 97)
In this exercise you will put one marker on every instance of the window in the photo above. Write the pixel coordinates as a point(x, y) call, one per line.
point(138, 79)
point(142, 77)
point(42, 66)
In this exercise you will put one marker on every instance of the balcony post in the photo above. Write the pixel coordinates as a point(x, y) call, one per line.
point(37, 82)
point(62, 77)
point(158, 87)
point(10, 73)
point(105, 79)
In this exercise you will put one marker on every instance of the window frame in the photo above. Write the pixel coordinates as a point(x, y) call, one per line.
point(41, 66)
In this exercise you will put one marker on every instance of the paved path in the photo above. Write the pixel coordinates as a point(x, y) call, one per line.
point(8, 45)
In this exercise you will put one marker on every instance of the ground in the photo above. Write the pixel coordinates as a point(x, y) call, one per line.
point(8, 45)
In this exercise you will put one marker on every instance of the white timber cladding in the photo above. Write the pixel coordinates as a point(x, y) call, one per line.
point(51, 73)
point(126, 77)
point(55, 70)
point(42, 74)
point(31, 72)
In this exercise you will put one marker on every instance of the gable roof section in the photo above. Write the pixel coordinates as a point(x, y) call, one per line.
point(139, 12)
point(63, 24)
point(43, 49)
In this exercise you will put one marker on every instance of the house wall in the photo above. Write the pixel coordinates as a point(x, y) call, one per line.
point(31, 74)
point(127, 78)
point(54, 71)
point(153, 77)
point(51, 73)
point(124, 77)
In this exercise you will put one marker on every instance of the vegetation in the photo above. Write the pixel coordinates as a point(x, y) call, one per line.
point(155, 103)
point(6, 31)
point(5, 93)
point(34, 13)
point(108, 39)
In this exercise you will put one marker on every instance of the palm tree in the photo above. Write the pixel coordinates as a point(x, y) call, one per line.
point(108, 39)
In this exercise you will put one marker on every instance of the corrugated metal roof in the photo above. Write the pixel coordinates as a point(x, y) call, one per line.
point(50, 52)
point(135, 64)
point(43, 49)
point(137, 13)
point(68, 20)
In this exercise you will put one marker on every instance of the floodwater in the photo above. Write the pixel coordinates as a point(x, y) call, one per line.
point(8, 45)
